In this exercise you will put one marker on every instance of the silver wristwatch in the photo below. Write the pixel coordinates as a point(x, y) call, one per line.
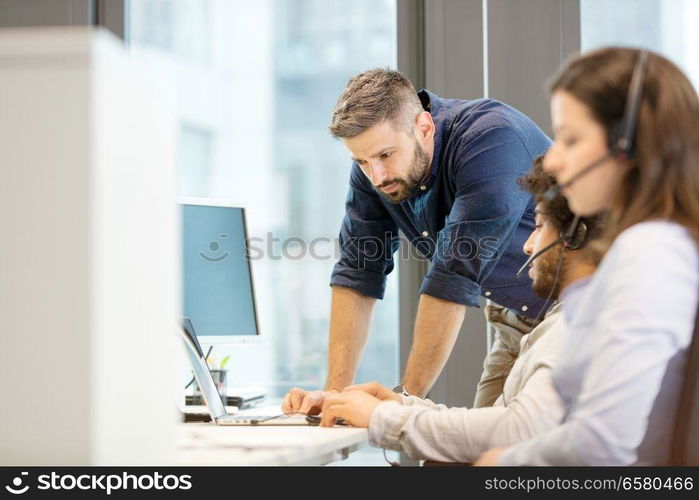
point(400, 389)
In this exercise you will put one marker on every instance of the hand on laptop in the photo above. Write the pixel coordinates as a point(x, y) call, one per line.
point(302, 401)
point(377, 390)
point(355, 407)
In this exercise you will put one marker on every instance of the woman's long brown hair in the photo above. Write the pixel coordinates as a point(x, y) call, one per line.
point(663, 181)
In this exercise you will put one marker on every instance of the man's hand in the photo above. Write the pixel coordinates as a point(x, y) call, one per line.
point(355, 407)
point(377, 390)
point(302, 401)
point(490, 457)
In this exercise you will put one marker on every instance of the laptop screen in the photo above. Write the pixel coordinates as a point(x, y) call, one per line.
point(203, 376)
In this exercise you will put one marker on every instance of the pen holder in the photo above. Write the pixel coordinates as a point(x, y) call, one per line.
point(220, 379)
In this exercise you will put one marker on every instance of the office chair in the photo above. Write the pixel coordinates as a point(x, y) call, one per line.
point(685, 440)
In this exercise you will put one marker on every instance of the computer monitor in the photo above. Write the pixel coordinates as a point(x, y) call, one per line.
point(218, 293)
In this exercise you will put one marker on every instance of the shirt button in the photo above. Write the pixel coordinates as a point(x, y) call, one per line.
point(425, 234)
point(487, 294)
point(423, 187)
point(524, 308)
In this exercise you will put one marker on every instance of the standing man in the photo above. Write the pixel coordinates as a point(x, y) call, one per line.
point(444, 172)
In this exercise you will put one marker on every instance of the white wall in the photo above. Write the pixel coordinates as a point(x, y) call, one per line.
point(89, 279)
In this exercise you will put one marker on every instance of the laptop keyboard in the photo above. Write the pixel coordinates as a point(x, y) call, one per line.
point(254, 419)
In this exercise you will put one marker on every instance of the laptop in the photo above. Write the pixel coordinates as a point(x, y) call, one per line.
point(212, 398)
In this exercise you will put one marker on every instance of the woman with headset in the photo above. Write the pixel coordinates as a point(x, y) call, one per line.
point(626, 126)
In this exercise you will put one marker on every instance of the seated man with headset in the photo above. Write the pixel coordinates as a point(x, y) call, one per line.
point(528, 404)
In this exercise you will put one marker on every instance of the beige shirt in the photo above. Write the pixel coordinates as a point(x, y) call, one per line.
point(528, 406)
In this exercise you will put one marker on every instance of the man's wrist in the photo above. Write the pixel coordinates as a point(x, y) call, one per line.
point(401, 390)
point(413, 389)
point(333, 386)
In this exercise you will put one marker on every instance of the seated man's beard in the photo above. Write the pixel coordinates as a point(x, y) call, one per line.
point(546, 267)
point(407, 185)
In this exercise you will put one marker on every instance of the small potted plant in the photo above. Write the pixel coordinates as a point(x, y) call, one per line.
point(220, 374)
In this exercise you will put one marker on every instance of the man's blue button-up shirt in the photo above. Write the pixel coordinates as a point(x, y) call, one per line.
point(469, 217)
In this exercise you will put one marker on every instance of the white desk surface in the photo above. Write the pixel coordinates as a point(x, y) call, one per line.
point(209, 444)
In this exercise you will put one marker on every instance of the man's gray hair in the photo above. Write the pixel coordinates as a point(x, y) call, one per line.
point(373, 97)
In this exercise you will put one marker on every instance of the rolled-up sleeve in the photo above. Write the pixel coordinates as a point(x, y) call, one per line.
point(368, 238)
point(434, 432)
point(487, 208)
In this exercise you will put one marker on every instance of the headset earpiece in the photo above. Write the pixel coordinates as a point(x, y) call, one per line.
point(575, 235)
point(618, 144)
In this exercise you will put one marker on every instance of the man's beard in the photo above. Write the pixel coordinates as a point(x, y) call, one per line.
point(546, 267)
point(407, 185)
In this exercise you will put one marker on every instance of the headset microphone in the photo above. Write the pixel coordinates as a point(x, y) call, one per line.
point(555, 190)
point(538, 254)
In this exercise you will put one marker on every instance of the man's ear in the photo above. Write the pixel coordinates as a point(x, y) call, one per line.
point(424, 126)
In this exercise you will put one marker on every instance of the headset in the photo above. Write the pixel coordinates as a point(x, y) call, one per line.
point(573, 237)
point(621, 136)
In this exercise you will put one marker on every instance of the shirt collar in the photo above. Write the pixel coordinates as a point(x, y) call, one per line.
point(572, 294)
point(435, 105)
point(556, 307)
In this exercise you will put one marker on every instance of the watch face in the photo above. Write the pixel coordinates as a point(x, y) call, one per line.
point(399, 389)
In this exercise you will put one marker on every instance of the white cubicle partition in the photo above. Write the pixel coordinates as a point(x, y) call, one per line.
point(89, 276)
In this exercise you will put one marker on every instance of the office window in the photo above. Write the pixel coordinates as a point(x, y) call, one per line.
point(667, 27)
point(193, 162)
point(255, 85)
point(180, 27)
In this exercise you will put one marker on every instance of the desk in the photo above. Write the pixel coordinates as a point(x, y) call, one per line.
point(209, 444)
